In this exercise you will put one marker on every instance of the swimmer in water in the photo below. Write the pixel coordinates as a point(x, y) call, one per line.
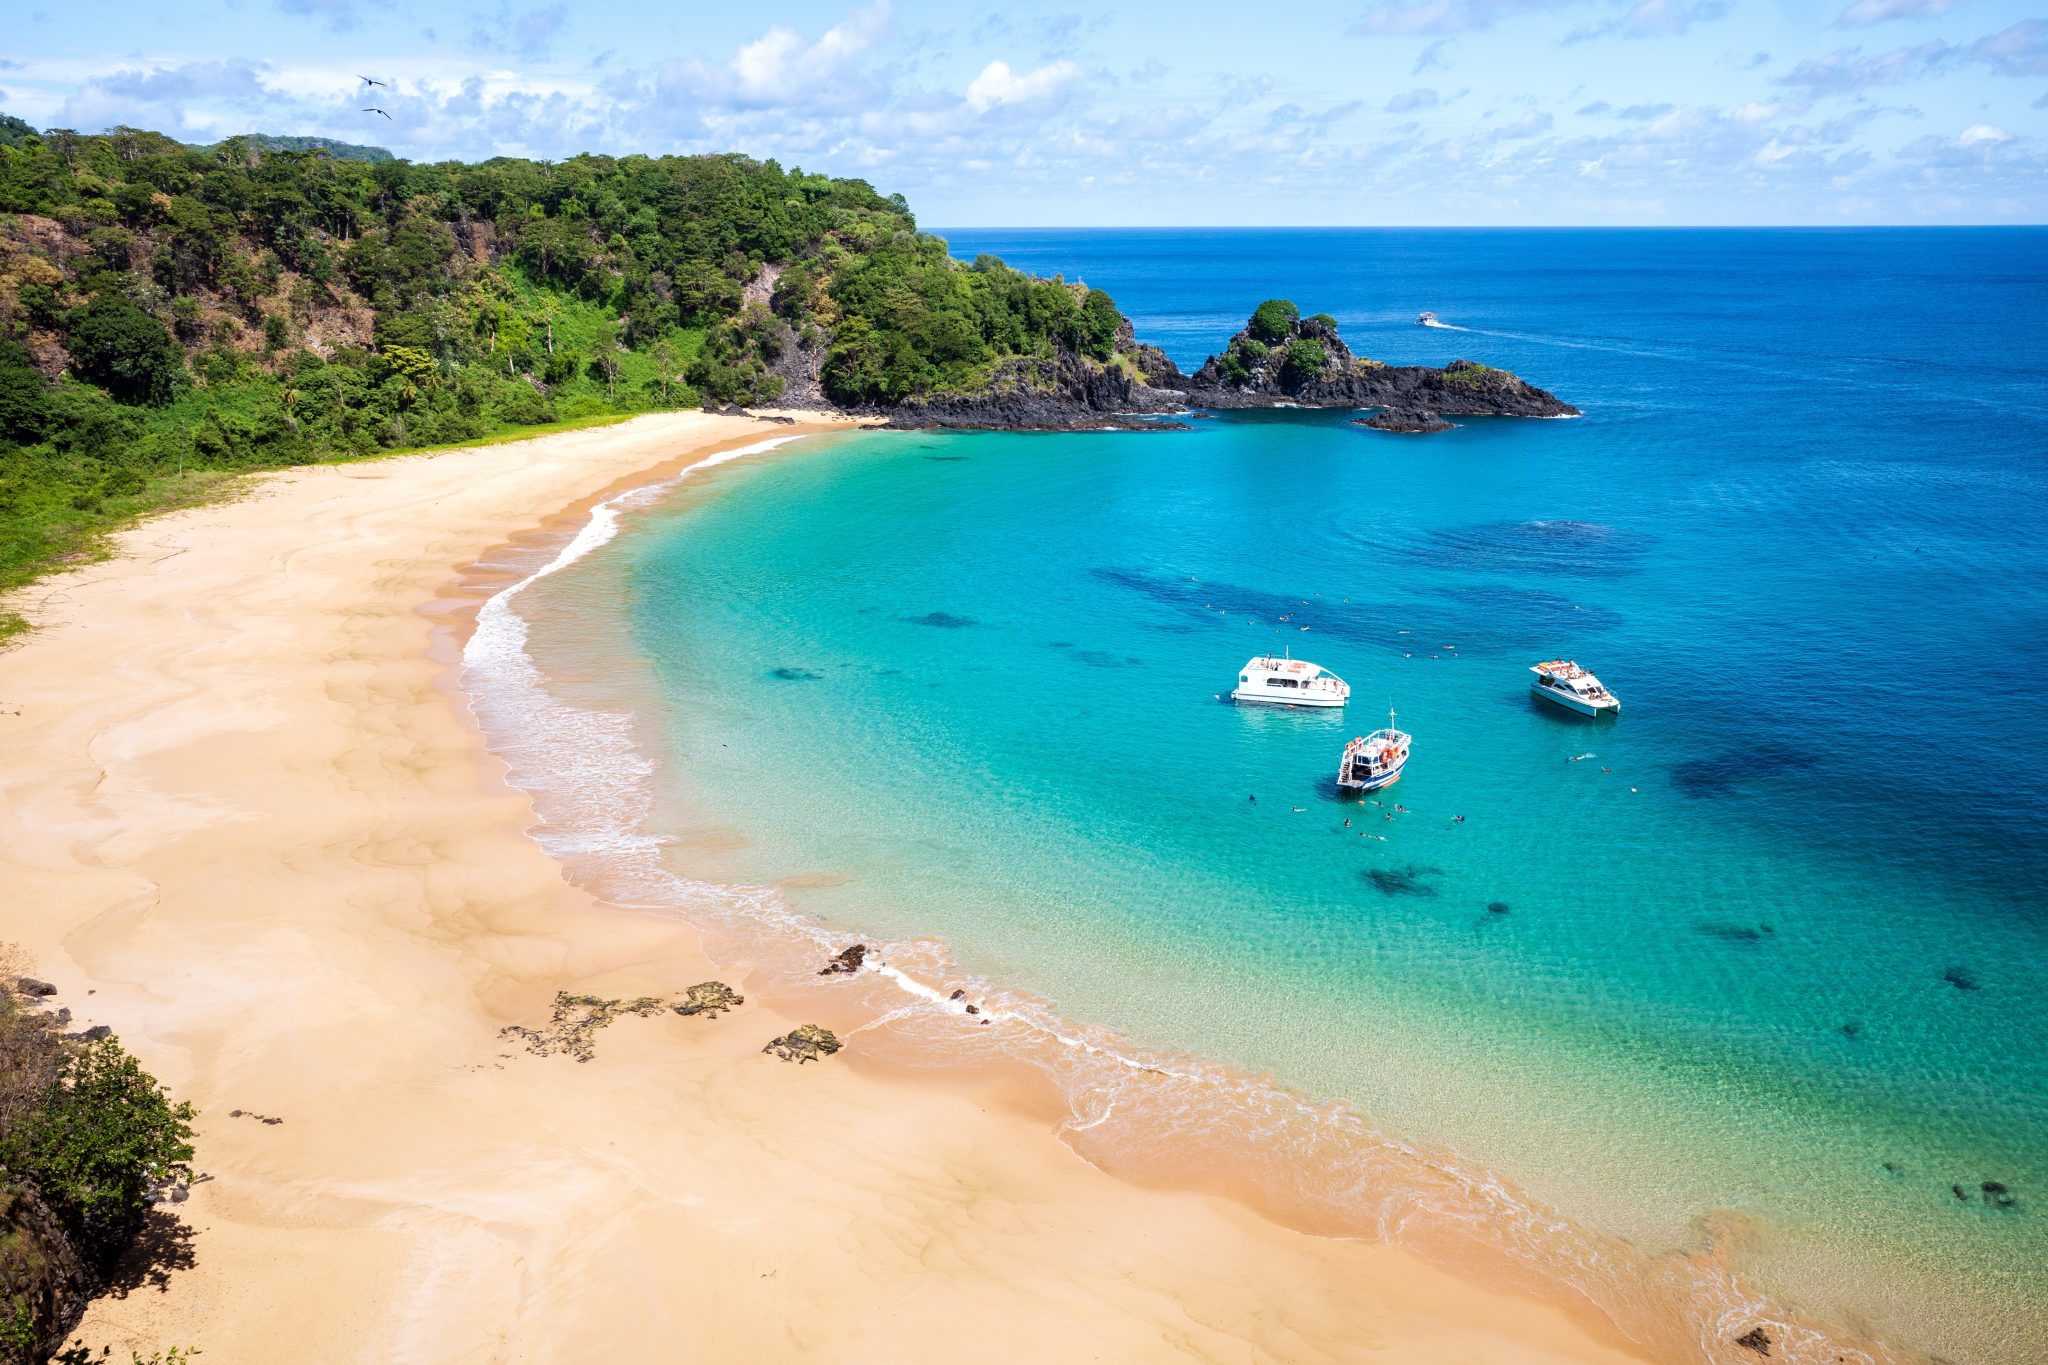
point(1253, 799)
point(1457, 819)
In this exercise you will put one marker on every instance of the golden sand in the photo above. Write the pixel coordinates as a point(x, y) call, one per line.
point(246, 819)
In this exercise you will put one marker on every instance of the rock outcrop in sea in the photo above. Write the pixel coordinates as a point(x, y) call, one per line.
point(1279, 360)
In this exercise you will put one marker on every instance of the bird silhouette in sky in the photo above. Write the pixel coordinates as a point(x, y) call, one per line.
point(376, 111)
point(372, 80)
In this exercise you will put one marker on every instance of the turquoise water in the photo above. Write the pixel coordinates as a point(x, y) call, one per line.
point(1757, 964)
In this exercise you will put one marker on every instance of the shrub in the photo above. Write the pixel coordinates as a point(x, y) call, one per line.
point(1244, 356)
point(122, 483)
point(1306, 359)
point(24, 397)
point(1274, 319)
point(125, 351)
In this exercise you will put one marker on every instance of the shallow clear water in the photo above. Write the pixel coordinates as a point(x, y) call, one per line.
point(1769, 968)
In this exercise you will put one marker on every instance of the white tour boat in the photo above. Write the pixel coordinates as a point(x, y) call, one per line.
point(1376, 760)
point(1427, 320)
point(1289, 682)
point(1573, 688)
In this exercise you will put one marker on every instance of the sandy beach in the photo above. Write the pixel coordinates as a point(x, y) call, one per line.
point(250, 824)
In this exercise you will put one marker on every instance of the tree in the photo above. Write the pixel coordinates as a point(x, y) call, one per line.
point(604, 364)
point(1273, 320)
point(125, 351)
point(665, 357)
point(1100, 322)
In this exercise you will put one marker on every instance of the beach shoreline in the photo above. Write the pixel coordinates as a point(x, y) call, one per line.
point(255, 829)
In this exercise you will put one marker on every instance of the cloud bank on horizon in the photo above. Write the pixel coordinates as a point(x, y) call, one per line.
point(1351, 111)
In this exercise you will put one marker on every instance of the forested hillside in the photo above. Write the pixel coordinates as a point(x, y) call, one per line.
point(169, 314)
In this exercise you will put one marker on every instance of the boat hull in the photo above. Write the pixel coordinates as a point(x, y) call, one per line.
point(1372, 784)
point(1578, 704)
point(1311, 703)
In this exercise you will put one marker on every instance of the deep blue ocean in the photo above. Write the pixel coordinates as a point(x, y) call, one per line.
point(1751, 975)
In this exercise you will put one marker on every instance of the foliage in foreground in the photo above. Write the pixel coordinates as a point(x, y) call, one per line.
point(87, 1137)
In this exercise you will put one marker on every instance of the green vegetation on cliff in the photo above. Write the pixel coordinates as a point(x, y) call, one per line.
point(171, 314)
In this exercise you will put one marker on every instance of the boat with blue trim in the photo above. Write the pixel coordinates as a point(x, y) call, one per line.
point(1375, 760)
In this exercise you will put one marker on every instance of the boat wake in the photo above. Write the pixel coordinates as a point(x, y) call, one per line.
point(1147, 1113)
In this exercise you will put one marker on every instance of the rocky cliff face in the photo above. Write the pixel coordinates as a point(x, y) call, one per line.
point(1068, 392)
point(44, 1281)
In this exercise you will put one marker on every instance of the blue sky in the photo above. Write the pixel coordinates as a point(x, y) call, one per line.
point(1301, 112)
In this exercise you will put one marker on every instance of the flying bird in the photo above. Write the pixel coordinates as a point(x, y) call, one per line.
point(372, 80)
point(376, 111)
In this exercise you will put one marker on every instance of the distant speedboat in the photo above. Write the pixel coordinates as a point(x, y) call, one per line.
point(1427, 320)
point(1375, 760)
point(1565, 683)
point(1289, 682)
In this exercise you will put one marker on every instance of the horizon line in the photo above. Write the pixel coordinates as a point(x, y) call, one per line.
point(1482, 227)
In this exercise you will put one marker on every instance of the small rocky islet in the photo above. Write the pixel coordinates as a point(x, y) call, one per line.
point(1280, 359)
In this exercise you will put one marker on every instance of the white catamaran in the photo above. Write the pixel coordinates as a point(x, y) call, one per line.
point(1289, 682)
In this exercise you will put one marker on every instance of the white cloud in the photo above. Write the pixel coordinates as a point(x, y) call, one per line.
point(338, 15)
point(1866, 12)
point(1846, 69)
point(1528, 125)
point(1653, 19)
point(997, 85)
point(1445, 16)
point(2018, 50)
point(779, 67)
point(1982, 132)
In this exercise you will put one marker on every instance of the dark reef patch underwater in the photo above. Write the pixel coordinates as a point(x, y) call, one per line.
point(1411, 880)
point(1545, 549)
point(1733, 771)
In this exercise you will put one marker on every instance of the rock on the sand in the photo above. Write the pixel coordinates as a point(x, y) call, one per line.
point(804, 1043)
